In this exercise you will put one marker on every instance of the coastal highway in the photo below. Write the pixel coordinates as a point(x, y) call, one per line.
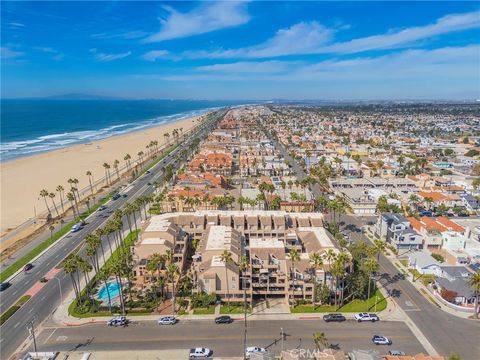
point(447, 333)
point(227, 340)
point(13, 331)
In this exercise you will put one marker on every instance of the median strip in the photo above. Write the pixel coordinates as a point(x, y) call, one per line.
point(20, 263)
point(14, 308)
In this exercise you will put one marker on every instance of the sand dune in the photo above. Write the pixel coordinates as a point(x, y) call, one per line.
point(22, 179)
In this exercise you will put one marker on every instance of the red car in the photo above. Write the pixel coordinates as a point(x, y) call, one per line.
point(27, 267)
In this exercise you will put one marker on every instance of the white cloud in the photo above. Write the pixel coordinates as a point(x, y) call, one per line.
point(127, 35)
point(205, 18)
point(247, 67)
point(444, 65)
point(102, 57)
point(392, 39)
point(314, 38)
point(7, 53)
point(155, 54)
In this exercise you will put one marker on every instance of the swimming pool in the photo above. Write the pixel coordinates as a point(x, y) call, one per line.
point(113, 288)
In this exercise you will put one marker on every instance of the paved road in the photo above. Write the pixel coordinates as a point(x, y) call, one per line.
point(447, 333)
point(227, 340)
point(13, 332)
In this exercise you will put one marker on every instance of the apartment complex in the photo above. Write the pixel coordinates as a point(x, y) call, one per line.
point(265, 237)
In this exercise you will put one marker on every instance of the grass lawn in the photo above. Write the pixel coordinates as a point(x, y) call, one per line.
point(234, 309)
point(204, 311)
point(14, 308)
point(72, 308)
point(17, 265)
point(353, 306)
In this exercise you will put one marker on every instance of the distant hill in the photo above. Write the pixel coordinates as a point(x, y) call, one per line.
point(75, 96)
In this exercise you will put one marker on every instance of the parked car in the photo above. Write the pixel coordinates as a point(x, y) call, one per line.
point(381, 340)
point(199, 353)
point(334, 317)
point(4, 285)
point(116, 196)
point(426, 213)
point(254, 349)
point(167, 320)
point(27, 267)
point(75, 228)
point(118, 321)
point(396, 353)
point(225, 319)
point(102, 207)
point(366, 317)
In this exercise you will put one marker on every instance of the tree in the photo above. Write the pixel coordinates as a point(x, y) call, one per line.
point(476, 183)
point(316, 261)
point(52, 196)
point(103, 275)
point(294, 257)
point(51, 228)
point(330, 256)
point(70, 267)
point(474, 283)
point(370, 266)
point(106, 166)
point(320, 340)
point(90, 179)
point(226, 258)
point(380, 247)
point(60, 190)
point(44, 194)
point(172, 272)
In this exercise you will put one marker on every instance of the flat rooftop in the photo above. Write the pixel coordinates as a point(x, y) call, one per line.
point(153, 241)
point(266, 243)
point(219, 238)
point(158, 224)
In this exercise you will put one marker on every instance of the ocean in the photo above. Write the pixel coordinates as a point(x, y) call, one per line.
point(30, 127)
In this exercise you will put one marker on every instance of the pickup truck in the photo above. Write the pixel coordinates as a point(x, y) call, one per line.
point(199, 353)
point(366, 317)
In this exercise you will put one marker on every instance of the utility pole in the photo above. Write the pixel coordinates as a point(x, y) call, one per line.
point(31, 330)
point(244, 319)
point(282, 335)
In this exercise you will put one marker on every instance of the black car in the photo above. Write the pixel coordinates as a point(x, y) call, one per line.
point(4, 286)
point(334, 317)
point(116, 196)
point(223, 320)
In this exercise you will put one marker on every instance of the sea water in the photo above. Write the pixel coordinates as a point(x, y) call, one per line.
point(30, 126)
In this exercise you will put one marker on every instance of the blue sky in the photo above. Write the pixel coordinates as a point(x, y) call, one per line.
point(242, 50)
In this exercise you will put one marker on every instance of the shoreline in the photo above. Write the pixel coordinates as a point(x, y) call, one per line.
point(161, 121)
point(23, 178)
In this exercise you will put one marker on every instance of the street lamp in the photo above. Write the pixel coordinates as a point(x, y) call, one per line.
point(31, 330)
point(60, 289)
point(282, 334)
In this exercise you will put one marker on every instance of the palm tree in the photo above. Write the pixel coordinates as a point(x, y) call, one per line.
point(115, 166)
point(226, 258)
point(370, 266)
point(338, 271)
point(71, 198)
point(172, 272)
point(474, 283)
point(60, 190)
point(106, 166)
point(70, 267)
point(320, 340)
point(52, 196)
point(127, 158)
point(103, 275)
point(294, 257)
point(380, 247)
point(89, 174)
point(51, 228)
point(316, 261)
point(153, 266)
point(330, 256)
point(85, 267)
point(44, 194)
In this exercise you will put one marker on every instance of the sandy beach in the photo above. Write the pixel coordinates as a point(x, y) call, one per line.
point(22, 179)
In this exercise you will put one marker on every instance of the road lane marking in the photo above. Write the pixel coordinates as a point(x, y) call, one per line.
point(48, 338)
